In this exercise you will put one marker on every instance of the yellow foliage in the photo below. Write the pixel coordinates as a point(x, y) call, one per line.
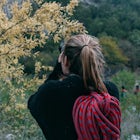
point(71, 6)
point(19, 34)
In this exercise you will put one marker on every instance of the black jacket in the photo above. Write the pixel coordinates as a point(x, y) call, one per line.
point(52, 104)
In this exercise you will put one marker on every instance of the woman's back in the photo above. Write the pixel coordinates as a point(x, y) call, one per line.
point(52, 106)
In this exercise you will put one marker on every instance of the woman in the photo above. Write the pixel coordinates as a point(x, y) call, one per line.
point(52, 105)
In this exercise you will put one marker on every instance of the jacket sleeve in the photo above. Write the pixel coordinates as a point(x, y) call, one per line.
point(56, 73)
point(36, 102)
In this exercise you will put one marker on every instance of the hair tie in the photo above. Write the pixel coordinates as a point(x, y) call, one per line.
point(84, 46)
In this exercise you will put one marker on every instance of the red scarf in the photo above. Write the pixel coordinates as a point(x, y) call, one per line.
point(97, 117)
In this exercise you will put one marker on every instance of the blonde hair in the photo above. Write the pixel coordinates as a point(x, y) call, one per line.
point(86, 59)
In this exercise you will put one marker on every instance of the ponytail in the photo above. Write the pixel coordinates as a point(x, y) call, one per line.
point(86, 59)
point(92, 72)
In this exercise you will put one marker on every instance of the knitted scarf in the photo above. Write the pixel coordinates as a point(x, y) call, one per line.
point(97, 117)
